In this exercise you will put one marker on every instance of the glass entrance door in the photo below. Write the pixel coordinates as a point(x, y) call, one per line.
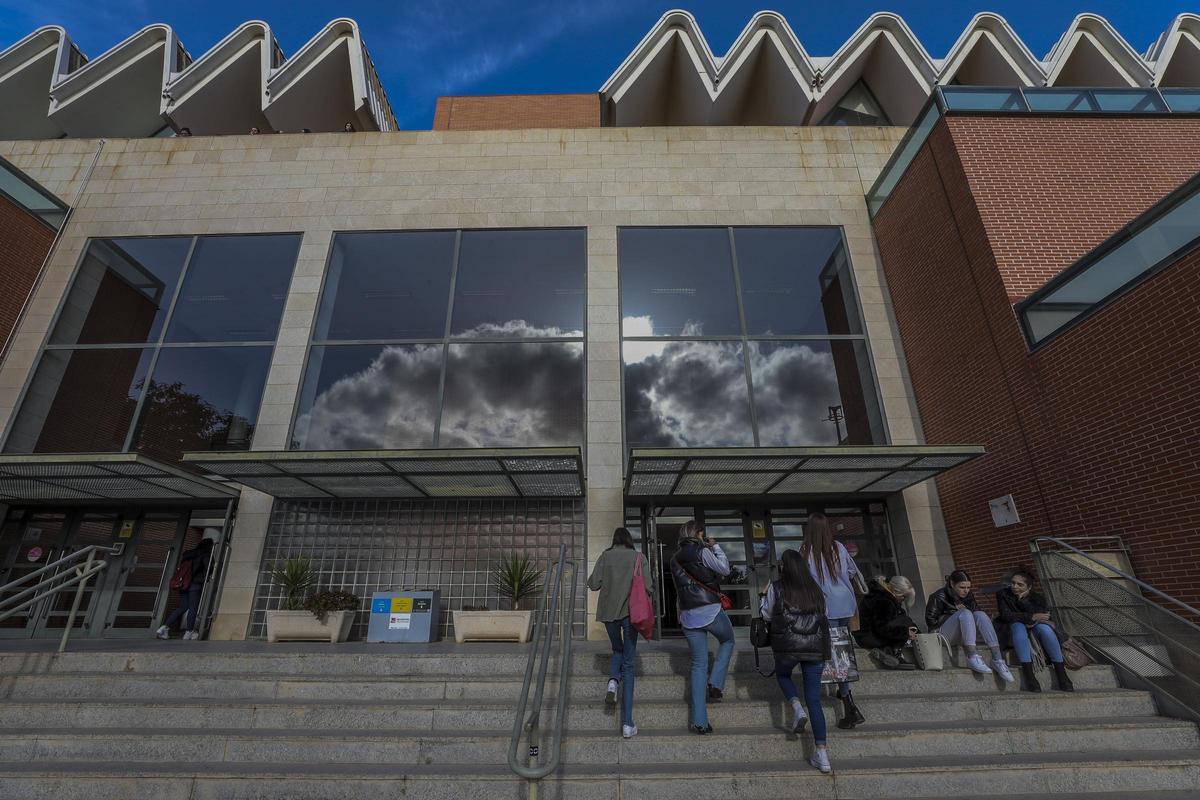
point(128, 598)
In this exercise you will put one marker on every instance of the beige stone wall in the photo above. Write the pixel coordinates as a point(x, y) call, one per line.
point(599, 178)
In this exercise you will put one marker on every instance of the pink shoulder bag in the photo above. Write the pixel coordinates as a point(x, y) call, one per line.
point(641, 613)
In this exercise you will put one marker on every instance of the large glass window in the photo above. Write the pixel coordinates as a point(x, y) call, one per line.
point(122, 291)
point(520, 283)
point(382, 373)
point(387, 286)
point(741, 337)
point(234, 289)
point(207, 311)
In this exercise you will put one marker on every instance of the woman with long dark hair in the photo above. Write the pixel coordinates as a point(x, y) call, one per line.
point(697, 568)
point(953, 612)
point(612, 578)
point(1024, 615)
point(832, 567)
point(795, 606)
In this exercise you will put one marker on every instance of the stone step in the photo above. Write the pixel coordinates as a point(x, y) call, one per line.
point(1102, 775)
point(584, 714)
point(654, 658)
point(251, 686)
point(732, 745)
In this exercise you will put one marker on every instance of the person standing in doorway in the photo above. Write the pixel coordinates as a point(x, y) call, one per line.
point(196, 560)
point(613, 578)
point(795, 606)
point(697, 568)
point(832, 567)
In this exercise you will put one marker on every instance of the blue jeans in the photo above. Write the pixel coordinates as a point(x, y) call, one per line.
point(189, 603)
point(1045, 635)
point(697, 639)
point(810, 671)
point(623, 636)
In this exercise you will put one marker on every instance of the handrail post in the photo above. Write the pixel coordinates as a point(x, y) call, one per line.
point(83, 573)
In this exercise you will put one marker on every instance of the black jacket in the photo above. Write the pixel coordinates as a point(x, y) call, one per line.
point(943, 604)
point(1013, 609)
point(799, 635)
point(883, 621)
point(199, 556)
point(695, 584)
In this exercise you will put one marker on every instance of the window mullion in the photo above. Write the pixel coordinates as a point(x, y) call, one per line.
point(437, 425)
point(737, 288)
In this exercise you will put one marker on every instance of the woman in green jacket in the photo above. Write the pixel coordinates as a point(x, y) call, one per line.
point(613, 577)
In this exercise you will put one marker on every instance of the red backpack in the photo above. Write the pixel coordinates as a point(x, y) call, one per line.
point(181, 580)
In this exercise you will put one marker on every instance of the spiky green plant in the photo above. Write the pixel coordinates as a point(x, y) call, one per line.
point(516, 578)
point(295, 576)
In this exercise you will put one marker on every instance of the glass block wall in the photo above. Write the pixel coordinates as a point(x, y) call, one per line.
point(367, 546)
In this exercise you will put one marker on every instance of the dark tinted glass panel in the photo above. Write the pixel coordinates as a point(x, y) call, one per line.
point(1140, 101)
point(122, 291)
point(513, 395)
point(80, 401)
point(1060, 100)
point(202, 398)
point(677, 282)
point(526, 283)
point(369, 397)
point(387, 286)
point(797, 383)
point(235, 289)
point(686, 394)
point(795, 281)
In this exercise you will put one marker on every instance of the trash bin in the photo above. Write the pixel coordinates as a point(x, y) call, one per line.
point(404, 616)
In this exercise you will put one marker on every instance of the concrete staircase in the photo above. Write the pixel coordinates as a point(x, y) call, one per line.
point(176, 721)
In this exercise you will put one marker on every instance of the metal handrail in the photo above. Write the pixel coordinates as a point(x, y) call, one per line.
point(31, 595)
point(1141, 584)
point(545, 626)
point(1166, 694)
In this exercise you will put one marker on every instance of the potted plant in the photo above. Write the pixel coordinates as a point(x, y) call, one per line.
point(516, 578)
point(324, 616)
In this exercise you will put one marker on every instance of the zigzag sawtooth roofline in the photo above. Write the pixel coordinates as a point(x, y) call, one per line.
point(1128, 67)
point(182, 76)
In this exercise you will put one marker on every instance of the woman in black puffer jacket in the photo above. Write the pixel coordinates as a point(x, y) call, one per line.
point(795, 607)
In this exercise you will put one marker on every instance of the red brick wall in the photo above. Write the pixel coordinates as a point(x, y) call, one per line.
point(1095, 433)
point(1049, 189)
point(516, 112)
point(24, 243)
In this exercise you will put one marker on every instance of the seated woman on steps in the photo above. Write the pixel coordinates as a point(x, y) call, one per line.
point(885, 624)
point(795, 607)
point(1024, 614)
point(953, 612)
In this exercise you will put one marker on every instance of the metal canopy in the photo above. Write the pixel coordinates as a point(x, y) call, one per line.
point(303, 474)
point(101, 477)
point(743, 472)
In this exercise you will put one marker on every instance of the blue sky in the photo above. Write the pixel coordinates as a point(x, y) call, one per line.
point(425, 48)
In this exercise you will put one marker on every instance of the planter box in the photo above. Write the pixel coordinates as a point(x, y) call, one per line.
point(492, 626)
point(302, 626)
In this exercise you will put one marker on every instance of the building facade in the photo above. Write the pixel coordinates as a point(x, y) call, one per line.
point(728, 293)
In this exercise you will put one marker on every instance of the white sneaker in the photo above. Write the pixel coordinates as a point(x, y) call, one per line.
point(820, 760)
point(163, 632)
point(191, 636)
point(1001, 669)
point(610, 696)
point(799, 718)
point(628, 731)
point(975, 662)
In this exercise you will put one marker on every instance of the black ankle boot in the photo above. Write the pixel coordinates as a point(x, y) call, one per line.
point(1028, 682)
point(851, 715)
point(1060, 675)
